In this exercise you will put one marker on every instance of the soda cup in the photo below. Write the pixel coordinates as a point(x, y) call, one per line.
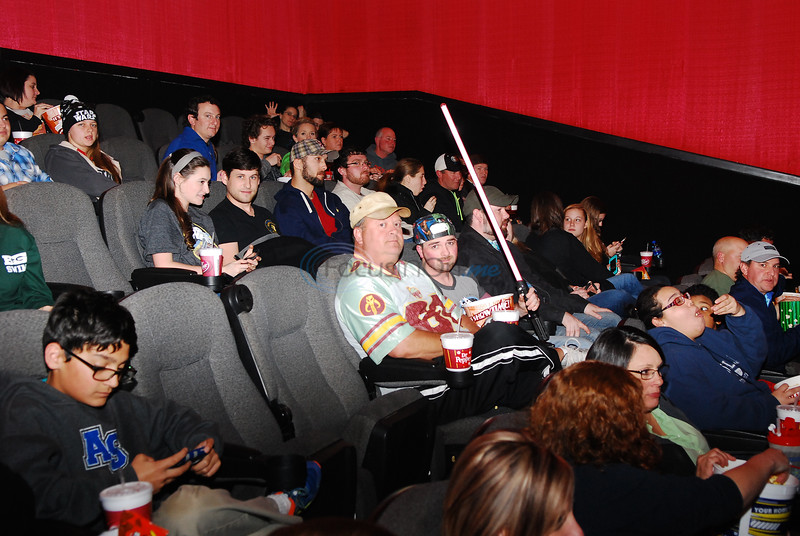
point(647, 258)
point(457, 351)
point(509, 317)
point(211, 261)
point(130, 496)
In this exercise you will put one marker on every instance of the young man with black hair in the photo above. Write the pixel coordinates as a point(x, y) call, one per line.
point(204, 116)
point(239, 222)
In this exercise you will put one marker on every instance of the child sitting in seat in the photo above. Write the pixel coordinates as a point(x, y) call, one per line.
point(76, 433)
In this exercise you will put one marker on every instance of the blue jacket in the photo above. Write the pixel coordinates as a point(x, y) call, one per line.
point(713, 378)
point(782, 345)
point(296, 216)
point(189, 139)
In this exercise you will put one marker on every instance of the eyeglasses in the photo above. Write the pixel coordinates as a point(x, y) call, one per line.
point(650, 373)
point(363, 163)
point(680, 300)
point(103, 374)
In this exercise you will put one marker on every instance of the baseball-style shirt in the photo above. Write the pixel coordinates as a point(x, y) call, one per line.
point(377, 308)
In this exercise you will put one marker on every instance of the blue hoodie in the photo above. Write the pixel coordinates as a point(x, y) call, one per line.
point(713, 378)
point(296, 216)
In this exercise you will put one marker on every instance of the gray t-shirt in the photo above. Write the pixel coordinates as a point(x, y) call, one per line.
point(159, 232)
point(463, 287)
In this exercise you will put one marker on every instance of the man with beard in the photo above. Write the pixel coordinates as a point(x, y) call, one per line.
point(303, 208)
point(354, 169)
point(391, 311)
point(479, 250)
point(437, 248)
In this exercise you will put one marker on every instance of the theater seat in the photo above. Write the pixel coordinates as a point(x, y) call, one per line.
point(39, 145)
point(157, 127)
point(266, 194)
point(302, 365)
point(121, 209)
point(62, 220)
point(21, 351)
point(135, 158)
point(187, 354)
point(113, 121)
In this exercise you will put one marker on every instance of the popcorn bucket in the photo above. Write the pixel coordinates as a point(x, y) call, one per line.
point(481, 310)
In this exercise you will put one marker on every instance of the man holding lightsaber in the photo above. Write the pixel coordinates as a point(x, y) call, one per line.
point(479, 250)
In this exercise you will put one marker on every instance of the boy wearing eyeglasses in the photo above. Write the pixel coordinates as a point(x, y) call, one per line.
point(78, 433)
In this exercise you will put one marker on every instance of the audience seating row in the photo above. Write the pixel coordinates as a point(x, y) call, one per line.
point(75, 249)
point(188, 353)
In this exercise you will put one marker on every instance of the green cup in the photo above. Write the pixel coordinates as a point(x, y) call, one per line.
point(789, 313)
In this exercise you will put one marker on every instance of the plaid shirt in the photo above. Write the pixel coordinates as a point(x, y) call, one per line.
point(17, 165)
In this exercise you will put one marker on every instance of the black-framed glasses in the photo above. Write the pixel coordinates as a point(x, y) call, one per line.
point(103, 374)
point(650, 373)
point(678, 301)
point(363, 163)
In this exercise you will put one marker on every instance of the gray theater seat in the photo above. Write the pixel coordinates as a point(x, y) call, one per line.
point(187, 354)
point(113, 121)
point(39, 145)
point(307, 367)
point(135, 158)
point(158, 127)
point(121, 209)
point(21, 351)
point(62, 220)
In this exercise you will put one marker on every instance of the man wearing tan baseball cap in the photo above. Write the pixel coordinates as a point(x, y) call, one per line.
point(389, 310)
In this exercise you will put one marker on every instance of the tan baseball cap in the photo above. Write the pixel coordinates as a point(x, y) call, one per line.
point(378, 206)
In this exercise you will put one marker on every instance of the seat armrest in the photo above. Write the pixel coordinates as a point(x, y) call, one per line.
point(399, 373)
point(142, 278)
point(745, 444)
point(400, 442)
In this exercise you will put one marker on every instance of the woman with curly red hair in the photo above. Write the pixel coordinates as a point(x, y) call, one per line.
point(591, 414)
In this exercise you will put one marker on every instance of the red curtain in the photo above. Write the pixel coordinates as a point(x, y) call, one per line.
point(710, 77)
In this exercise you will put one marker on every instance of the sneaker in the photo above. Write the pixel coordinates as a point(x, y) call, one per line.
point(303, 497)
point(572, 355)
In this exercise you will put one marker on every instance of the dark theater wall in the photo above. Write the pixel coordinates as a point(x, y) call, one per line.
point(717, 78)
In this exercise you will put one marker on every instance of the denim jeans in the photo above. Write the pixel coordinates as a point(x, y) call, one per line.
point(628, 283)
point(617, 300)
point(595, 325)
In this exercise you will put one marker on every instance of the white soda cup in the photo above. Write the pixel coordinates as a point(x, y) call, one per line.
point(457, 351)
point(19, 135)
point(211, 261)
point(130, 496)
point(509, 317)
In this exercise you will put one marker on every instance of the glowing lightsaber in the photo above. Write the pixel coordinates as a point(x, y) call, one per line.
point(522, 286)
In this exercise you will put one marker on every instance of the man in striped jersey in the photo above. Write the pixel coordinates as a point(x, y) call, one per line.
point(391, 310)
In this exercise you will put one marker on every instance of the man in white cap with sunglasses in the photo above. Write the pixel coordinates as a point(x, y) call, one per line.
point(759, 288)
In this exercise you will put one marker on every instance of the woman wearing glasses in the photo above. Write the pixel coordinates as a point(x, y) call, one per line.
point(684, 450)
point(590, 415)
point(712, 374)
